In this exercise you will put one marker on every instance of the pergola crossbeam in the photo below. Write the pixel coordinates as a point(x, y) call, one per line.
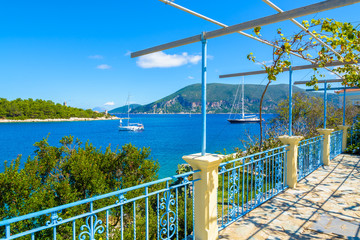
point(335, 88)
point(320, 81)
point(302, 67)
point(298, 12)
point(168, 2)
point(304, 29)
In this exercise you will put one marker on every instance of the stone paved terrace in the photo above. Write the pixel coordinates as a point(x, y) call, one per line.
point(324, 205)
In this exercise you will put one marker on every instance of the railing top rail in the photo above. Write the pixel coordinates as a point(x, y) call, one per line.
point(320, 137)
point(253, 155)
point(336, 132)
point(92, 199)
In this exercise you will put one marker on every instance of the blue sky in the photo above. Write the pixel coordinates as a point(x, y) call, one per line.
point(78, 51)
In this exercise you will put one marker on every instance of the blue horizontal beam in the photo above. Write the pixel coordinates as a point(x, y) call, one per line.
point(337, 88)
point(350, 94)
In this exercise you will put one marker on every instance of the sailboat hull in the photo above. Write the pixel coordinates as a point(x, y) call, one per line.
point(248, 120)
point(131, 128)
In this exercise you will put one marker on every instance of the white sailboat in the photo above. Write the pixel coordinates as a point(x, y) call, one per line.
point(130, 126)
point(243, 119)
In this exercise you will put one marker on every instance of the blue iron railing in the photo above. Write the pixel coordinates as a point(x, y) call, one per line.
point(335, 144)
point(355, 131)
point(247, 182)
point(162, 209)
point(354, 135)
point(309, 156)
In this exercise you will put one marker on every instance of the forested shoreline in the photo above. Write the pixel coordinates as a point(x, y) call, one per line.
point(21, 109)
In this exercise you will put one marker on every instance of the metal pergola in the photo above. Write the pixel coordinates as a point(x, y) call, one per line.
point(325, 95)
point(171, 3)
point(204, 36)
point(325, 89)
point(290, 70)
point(356, 102)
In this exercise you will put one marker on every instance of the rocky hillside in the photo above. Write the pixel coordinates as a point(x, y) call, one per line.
point(220, 98)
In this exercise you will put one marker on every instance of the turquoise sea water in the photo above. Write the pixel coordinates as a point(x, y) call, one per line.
point(169, 136)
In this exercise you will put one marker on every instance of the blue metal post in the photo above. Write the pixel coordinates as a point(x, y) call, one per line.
point(344, 106)
point(203, 81)
point(325, 102)
point(147, 213)
point(7, 231)
point(290, 101)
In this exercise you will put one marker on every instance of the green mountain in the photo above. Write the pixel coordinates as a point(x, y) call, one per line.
point(124, 109)
point(220, 98)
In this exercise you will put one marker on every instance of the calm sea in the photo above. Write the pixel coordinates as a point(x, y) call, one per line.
point(169, 136)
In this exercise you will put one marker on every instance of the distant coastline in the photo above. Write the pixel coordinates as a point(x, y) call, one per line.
point(221, 100)
point(74, 119)
point(183, 113)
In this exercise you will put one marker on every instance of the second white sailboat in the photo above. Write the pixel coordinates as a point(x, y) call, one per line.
point(243, 119)
point(130, 126)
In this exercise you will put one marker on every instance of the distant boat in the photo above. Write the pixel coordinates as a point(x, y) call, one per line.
point(243, 119)
point(130, 126)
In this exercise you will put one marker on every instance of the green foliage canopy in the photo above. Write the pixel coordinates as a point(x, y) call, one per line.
point(354, 137)
point(20, 109)
point(308, 114)
point(342, 37)
point(71, 172)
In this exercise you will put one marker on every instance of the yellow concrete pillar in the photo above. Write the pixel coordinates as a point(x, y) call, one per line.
point(206, 227)
point(344, 128)
point(326, 147)
point(292, 156)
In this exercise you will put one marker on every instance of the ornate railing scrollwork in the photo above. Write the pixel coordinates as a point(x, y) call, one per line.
point(168, 218)
point(233, 190)
point(54, 218)
point(259, 181)
point(278, 174)
point(92, 226)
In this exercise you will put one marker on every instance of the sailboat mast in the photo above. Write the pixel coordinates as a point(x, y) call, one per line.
point(242, 98)
point(128, 110)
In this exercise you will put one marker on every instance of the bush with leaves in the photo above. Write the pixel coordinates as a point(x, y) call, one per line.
point(308, 115)
point(354, 137)
point(71, 172)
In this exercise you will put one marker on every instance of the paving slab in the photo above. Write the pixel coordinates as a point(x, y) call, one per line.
point(324, 205)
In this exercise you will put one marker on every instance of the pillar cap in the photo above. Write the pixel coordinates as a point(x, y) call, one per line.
point(291, 140)
point(344, 127)
point(325, 131)
point(198, 161)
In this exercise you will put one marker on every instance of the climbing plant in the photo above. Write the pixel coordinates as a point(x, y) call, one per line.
point(343, 38)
